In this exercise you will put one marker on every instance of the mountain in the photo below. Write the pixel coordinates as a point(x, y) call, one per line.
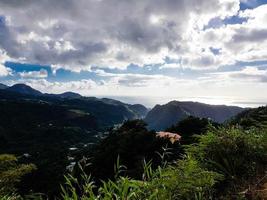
point(24, 89)
point(139, 109)
point(54, 130)
point(163, 116)
point(107, 112)
point(2, 86)
point(254, 117)
point(44, 132)
point(70, 95)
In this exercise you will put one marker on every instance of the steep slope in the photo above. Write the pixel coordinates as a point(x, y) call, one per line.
point(52, 131)
point(43, 134)
point(2, 86)
point(256, 117)
point(163, 116)
point(106, 111)
point(24, 89)
point(138, 109)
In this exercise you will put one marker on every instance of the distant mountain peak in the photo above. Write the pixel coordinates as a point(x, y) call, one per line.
point(163, 116)
point(70, 95)
point(24, 89)
point(3, 86)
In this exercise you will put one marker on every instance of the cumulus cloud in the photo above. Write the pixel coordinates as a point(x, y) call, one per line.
point(115, 84)
point(4, 71)
point(170, 66)
point(83, 33)
point(34, 74)
point(82, 86)
point(244, 41)
point(247, 74)
point(138, 80)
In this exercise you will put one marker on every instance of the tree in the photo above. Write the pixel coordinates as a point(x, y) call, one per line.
point(11, 173)
point(189, 127)
point(133, 143)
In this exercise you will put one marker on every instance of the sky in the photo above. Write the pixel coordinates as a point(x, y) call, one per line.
point(214, 51)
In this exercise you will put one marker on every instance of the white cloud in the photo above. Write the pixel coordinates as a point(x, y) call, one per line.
point(82, 33)
point(237, 42)
point(170, 66)
point(248, 74)
point(82, 86)
point(212, 88)
point(34, 74)
point(4, 71)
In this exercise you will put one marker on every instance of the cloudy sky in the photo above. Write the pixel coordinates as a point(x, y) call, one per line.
point(162, 49)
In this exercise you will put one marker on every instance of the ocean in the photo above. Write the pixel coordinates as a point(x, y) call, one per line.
point(151, 101)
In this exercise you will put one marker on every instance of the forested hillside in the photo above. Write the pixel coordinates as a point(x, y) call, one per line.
point(164, 116)
point(252, 117)
point(62, 147)
point(51, 130)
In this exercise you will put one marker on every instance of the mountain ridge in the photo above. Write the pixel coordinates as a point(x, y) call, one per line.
point(111, 111)
point(108, 111)
point(24, 89)
point(166, 115)
point(3, 86)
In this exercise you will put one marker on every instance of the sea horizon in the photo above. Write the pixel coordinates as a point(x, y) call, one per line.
point(151, 101)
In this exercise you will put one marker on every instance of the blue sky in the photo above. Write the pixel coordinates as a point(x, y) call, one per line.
point(187, 50)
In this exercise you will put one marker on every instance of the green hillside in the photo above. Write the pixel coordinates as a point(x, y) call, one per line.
point(256, 117)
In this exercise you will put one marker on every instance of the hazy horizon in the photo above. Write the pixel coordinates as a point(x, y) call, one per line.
point(150, 102)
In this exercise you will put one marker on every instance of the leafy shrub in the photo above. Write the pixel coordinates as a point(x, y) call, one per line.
point(185, 180)
point(237, 154)
point(11, 173)
point(133, 143)
point(189, 127)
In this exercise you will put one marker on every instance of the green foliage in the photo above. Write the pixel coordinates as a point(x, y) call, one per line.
point(256, 117)
point(122, 188)
point(185, 180)
point(46, 126)
point(223, 162)
point(11, 173)
point(219, 163)
point(189, 127)
point(133, 143)
point(237, 154)
point(45, 132)
point(11, 197)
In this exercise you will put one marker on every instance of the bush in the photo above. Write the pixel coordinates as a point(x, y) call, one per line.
point(133, 143)
point(191, 126)
point(185, 180)
point(237, 154)
point(11, 173)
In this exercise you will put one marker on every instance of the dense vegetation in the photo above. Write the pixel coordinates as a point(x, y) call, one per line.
point(129, 161)
point(133, 143)
point(11, 173)
point(42, 134)
point(225, 163)
point(52, 131)
point(191, 126)
point(222, 163)
point(252, 118)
